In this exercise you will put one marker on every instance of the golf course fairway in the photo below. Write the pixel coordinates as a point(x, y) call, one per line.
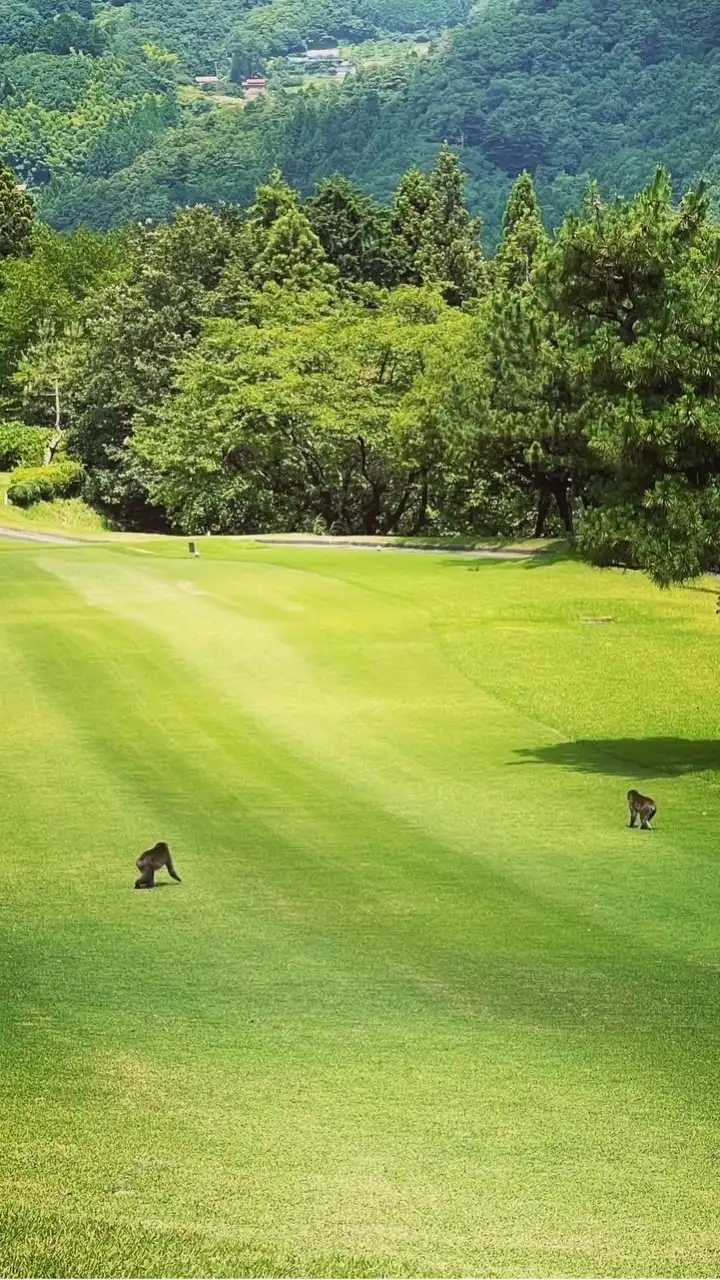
point(423, 1004)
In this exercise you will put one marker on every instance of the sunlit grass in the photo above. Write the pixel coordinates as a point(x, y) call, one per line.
point(422, 1004)
point(64, 515)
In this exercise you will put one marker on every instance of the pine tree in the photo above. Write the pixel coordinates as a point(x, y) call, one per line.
point(526, 353)
point(638, 282)
point(438, 239)
point(272, 199)
point(354, 232)
point(293, 255)
point(523, 237)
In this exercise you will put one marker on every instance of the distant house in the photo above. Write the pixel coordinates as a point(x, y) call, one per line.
point(254, 87)
point(207, 80)
point(323, 55)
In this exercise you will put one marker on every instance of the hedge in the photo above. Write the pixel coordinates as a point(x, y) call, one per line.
point(22, 446)
point(42, 484)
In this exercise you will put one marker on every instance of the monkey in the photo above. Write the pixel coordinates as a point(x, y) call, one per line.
point(641, 807)
point(151, 861)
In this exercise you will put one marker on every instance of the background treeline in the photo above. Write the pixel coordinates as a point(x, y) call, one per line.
point(341, 366)
point(98, 112)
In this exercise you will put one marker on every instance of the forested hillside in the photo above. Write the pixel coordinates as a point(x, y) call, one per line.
point(297, 350)
point(99, 112)
point(208, 32)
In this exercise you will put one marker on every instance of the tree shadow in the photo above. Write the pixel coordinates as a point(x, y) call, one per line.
point(531, 559)
point(655, 757)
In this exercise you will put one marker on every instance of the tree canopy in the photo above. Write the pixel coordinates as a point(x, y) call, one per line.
point(16, 216)
point(337, 365)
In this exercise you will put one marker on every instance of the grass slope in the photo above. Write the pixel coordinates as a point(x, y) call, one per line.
point(422, 1005)
point(71, 515)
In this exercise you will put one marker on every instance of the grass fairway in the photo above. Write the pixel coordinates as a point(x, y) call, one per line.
point(422, 1003)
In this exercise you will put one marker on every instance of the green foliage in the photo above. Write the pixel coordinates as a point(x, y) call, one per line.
point(438, 240)
point(639, 284)
point(49, 287)
point(523, 236)
point(43, 484)
point(529, 426)
point(293, 255)
point(90, 115)
point(140, 329)
point(24, 493)
point(22, 446)
point(355, 232)
point(81, 113)
point(563, 91)
point(283, 424)
point(16, 216)
point(345, 367)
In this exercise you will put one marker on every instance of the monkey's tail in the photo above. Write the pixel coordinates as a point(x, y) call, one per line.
point(172, 871)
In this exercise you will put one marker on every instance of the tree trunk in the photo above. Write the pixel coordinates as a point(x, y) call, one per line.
point(371, 515)
point(391, 522)
point(421, 517)
point(373, 508)
point(560, 493)
point(56, 437)
point(345, 515)
point(542, 513)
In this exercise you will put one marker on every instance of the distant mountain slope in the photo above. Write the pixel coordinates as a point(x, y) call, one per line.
point(204, 31)
point(570, 90)
point(580, 87)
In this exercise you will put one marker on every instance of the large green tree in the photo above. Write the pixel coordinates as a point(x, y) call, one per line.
point(639, 283)
point(138, 330)
point(291, 425)
point(292, 254)
point(46, 374)
point(52, 284)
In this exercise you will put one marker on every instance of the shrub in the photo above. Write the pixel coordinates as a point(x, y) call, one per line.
point(22, 446)
point(42, 484)
point(26, 492)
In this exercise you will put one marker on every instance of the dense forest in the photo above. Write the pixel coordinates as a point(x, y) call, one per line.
point(100, 114)
point(338, 365)
point(204, 328)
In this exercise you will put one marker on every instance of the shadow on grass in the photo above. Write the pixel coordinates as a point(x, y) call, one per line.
point(656, 757)
point(531, 559)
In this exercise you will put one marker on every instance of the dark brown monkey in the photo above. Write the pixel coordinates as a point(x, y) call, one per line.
point(151, 861)
point(641, 807)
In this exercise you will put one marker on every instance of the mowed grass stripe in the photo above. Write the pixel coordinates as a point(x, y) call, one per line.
point(386, 1025)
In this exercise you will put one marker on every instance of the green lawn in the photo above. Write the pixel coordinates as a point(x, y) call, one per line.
point(422, 1003)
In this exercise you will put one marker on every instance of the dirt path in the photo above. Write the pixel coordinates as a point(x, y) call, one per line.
point(23, 535)
point(489, 553)
point(492, 553)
